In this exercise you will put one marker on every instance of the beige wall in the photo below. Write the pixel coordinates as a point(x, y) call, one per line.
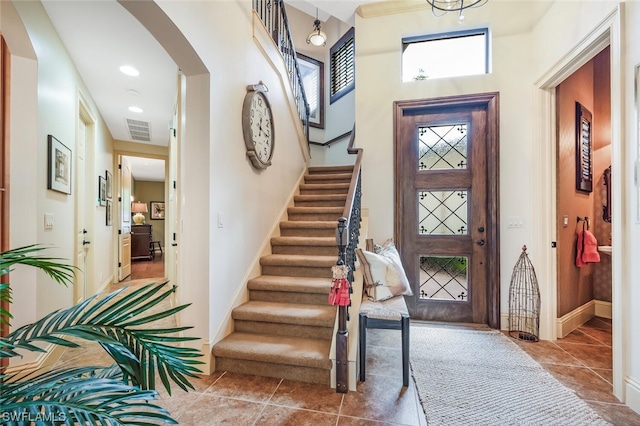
point(37, 73)
point(589, 86)
point(147, 192)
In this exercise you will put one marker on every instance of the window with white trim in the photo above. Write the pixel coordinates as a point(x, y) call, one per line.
point(343, 67)
point(451, 54)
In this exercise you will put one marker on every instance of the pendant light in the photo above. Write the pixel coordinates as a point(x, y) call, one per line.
point(317, 37)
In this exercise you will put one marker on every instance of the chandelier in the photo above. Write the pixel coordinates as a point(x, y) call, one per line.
point(440, 7)
point(317, 37)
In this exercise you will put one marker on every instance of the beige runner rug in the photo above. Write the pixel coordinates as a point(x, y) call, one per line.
point(471, 377)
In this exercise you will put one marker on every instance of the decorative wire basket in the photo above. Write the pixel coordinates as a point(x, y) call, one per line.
point(524, 301)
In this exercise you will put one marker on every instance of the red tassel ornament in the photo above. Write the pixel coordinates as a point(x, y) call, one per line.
point(339, 294)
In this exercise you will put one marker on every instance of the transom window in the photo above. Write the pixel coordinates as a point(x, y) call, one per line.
point(451, 54)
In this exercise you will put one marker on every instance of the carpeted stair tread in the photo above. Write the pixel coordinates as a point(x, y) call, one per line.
point(327, 177)
point(320, 198)
point(309, 224)
point(275, 349)
point(329, 169)
point(304, 241)
point(311, 210)
point(297, 260)
point(290, 284)
point(333, 188)
point(286, 313)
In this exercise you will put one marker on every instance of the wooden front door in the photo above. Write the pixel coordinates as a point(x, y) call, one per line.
point(446, 216)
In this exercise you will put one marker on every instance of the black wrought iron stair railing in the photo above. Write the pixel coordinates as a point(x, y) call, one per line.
point(349, 223)
point(274, 17)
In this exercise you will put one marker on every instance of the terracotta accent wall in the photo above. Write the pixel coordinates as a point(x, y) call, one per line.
point(589, 86)
point(602, 160)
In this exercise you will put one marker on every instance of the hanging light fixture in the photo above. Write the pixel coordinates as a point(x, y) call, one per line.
point(440, 7)
point(317, 37)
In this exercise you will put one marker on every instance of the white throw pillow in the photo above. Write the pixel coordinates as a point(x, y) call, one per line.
point(384, 276)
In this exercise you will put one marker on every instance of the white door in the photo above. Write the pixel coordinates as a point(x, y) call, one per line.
point(82, 237)
point(124, 222)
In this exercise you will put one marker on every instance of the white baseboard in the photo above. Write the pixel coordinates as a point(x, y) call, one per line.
point(47, 359)
point(574, 319)
point(632, 394)
point(603, 309)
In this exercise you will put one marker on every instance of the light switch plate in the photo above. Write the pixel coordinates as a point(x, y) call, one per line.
point(48, 221)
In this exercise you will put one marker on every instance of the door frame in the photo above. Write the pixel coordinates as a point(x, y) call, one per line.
point(607, 32)
point(490, 101)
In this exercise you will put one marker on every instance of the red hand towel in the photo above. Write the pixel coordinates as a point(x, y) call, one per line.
point(587, 249)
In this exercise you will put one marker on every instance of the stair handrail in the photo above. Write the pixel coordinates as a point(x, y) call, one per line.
point(277, 24)
point(349, 223)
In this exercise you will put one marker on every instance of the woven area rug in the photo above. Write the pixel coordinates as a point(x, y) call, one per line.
point(470, 377)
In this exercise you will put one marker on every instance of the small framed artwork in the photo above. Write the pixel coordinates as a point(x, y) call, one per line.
point(109, 213)
point(312, 73)
point(58, 166)
point(109, 183)
point(157, 210)
point(102, 190)
point(584, 149)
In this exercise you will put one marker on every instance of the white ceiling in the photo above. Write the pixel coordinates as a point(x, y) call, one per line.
point(147, 169)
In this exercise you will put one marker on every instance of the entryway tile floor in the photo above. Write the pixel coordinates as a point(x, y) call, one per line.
point(581, 361)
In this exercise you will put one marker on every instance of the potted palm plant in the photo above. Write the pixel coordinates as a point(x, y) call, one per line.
point(122, 323)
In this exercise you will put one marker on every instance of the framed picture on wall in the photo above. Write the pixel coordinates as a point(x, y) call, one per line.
point(58, 166)
point(109, 214)
point(109, 184)
point(584, 150)
point(102, 191)
point(157, 210)
point(312, 73)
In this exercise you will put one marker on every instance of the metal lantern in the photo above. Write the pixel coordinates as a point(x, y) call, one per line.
point(524, 301)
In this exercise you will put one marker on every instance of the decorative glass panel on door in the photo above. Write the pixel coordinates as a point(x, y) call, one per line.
point(444, 277)
point(442, 213)
point(442, 147)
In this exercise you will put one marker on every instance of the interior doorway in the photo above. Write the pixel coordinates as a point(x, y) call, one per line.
point(147, 216)
point(607, 33)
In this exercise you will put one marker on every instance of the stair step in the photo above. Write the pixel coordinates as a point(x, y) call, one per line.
point(324, 188)
point(320, 200)
point(322, 246)
point(330, 169)
point(286, 313)
point(315, 213)
point(308, 285)
point(328, 178)
point(303, 228)
point(292, 358)
point(273, 288)
point(297, 265)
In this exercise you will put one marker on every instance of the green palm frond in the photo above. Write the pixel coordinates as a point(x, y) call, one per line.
point(83, 395)
point(28, 255)
point(114, 321)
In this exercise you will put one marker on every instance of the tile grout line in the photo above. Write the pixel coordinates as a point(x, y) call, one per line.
point(266, 403)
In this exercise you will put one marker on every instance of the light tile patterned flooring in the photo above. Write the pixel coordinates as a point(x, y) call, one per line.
point(581, 361)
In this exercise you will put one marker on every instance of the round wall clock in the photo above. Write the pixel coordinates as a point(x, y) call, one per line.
point(257, 126)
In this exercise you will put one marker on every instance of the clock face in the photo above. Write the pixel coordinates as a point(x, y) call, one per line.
point(258, 129)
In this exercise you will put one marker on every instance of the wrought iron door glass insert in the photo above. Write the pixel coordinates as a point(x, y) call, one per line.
point(442, 147)
point(442, 212)
point(444, 277)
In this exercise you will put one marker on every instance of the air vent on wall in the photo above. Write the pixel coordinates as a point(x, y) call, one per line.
point(139, 130)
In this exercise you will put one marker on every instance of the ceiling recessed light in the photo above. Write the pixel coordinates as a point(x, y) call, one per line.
point(129, 70)
point(133, 92)
point(135, 109)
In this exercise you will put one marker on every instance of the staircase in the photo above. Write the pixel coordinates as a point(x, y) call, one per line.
point(286, 327)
